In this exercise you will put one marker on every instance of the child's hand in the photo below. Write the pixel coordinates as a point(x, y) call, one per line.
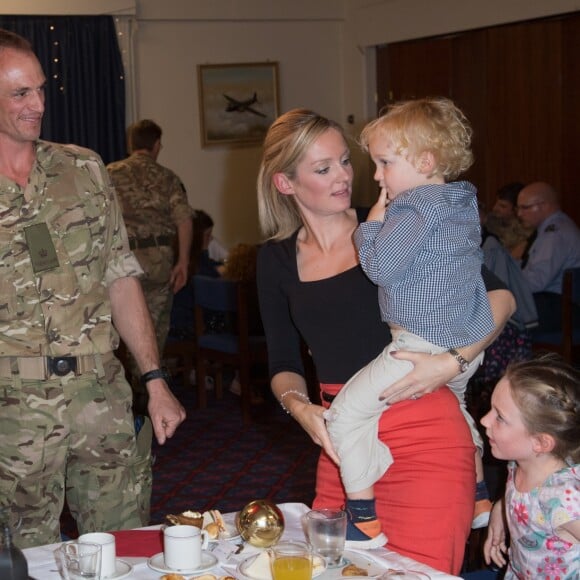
point(494, 548)
point(377, 212)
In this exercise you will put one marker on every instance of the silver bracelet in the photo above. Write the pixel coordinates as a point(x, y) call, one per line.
point(295, 392)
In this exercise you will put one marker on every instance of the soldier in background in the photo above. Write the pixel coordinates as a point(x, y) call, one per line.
point(66, 275)
point(156, 212)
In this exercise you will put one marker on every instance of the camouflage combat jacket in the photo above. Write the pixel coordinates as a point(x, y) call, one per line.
point(64, 311)
point(152, 197)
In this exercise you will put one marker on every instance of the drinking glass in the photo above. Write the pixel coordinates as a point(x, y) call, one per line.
point(291, 561)
point(326, 533)
point(80, 561)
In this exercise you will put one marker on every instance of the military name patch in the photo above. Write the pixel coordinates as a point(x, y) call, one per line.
point(42, 253)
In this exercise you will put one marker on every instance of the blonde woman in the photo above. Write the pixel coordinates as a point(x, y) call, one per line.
point(311, 285)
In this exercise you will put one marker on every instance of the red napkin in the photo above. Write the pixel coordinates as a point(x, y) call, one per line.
point(138, 543)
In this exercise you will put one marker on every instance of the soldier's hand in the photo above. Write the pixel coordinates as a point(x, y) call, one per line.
point(178, 278)
point(165, 411)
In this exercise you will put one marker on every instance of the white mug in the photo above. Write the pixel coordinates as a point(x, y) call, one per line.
point(182, 546)
point(108, 551)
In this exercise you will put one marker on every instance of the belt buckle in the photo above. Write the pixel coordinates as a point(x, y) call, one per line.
point(62, 365)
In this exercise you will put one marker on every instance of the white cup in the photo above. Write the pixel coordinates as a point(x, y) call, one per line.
point(108, 552)
point(182, 546)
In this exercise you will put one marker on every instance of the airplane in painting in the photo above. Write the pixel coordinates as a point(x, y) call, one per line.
point(242, 106)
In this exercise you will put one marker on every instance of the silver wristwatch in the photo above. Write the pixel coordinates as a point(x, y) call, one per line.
point(463, 363)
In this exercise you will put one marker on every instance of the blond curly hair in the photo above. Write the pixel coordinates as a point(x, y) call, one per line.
point(433, 125)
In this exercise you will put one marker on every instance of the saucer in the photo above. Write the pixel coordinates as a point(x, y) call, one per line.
point(122, 570)
point(208, 561)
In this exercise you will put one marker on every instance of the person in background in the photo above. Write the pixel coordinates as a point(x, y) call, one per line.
point(421, 245)
point(507, 227)
point(200, 261)
point(310, 285)
point(182, 311)
point(534, 423)
point(158, 220)
point(554, 248)
point(67, 275)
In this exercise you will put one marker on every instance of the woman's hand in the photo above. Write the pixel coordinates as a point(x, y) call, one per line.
point(494, 548)
point(290, 389)
point(312, 421)
point(430, 371)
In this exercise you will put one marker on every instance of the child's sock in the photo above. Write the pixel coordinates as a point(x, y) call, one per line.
point(363, 529)
point(481, 491)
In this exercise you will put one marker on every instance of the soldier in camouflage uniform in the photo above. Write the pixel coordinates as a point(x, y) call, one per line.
point(156, 212)
point(66, 272)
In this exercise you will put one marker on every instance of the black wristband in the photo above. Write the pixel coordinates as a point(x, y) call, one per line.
point(161, 373)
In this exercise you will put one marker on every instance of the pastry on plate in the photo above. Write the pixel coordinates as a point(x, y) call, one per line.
point(186, 518)
point(173, 577)
point(353, 570)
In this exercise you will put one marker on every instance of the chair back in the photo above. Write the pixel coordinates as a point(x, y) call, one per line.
point(231, 345)
point(571, 315)
point(215, 293)
point(566, 342)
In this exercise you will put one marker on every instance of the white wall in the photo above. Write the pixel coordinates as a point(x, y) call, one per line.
point(221, 180)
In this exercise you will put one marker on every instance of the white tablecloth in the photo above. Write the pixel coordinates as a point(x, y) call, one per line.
point(42, 564)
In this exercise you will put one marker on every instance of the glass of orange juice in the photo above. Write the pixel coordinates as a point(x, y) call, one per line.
point(291, 560)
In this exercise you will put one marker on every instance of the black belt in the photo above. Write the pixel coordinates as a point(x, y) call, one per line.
point(328, 397)
point(150, 242)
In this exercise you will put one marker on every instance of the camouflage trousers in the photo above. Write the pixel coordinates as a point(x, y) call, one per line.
point(74, 438)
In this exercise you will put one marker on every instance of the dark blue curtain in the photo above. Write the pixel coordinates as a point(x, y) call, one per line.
point(85, 96)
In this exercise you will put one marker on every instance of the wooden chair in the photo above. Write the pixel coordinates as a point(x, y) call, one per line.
point(567, 342)
point(181, 352)
point(235, 346)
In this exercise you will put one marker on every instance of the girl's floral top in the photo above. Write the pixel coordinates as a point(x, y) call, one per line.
point(537, 551)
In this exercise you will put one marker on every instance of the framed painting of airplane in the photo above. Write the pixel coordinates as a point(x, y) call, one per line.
point(237, 102)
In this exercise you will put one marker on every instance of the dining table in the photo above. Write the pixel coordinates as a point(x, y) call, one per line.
point(139, 555)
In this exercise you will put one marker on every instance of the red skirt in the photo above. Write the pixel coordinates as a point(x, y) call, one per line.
point(425, 499)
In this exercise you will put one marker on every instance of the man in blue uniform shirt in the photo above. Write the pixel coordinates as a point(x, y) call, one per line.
point(556, 248)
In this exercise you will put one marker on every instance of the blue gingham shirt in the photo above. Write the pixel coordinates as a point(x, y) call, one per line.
point(426, 259)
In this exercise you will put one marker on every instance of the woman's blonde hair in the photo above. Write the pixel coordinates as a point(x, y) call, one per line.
point(286, 143)
point(433, 125)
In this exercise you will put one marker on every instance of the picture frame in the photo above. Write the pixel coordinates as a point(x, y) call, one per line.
point(237, 102)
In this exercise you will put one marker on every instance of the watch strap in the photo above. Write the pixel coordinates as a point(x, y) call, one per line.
point(161, 373)
point(463, 362)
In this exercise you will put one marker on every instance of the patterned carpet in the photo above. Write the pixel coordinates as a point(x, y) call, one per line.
point(214, 461)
